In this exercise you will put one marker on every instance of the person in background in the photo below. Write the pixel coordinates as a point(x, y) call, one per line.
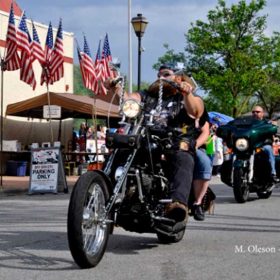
point(90, 133)
point(276, 145)
point(83, 130)
point(210, 144)
point(202, 173)
point(100, 132)
point(219, 153)
point(258, 113)
point(74, 140)
point(82, 136)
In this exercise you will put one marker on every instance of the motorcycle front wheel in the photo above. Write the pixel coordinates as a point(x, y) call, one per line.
point(240, 188)
point(87, 230)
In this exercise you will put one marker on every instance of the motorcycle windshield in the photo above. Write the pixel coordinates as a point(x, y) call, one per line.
point(255, 131)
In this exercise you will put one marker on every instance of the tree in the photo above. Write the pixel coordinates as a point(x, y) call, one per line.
point(231, 59)
point(224, 54)
point(269, 94)
point(170, 57)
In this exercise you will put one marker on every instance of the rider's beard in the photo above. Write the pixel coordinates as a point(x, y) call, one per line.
point(167, 89)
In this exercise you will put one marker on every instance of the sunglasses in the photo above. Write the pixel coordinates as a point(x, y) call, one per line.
point(165, 74)
point(256, 112)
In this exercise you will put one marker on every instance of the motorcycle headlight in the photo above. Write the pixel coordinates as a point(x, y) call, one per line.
point(242, 144)
point(131, 108)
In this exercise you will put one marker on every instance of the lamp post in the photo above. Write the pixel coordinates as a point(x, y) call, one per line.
point(139, 24)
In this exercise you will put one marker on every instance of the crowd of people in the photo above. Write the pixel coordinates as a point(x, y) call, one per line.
point(87, 133)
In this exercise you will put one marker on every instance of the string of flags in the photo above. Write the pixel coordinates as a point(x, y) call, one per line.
point(51, 58)
point(94, 73)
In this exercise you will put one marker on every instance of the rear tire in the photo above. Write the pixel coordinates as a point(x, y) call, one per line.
point(240, 188)
point(87, 231)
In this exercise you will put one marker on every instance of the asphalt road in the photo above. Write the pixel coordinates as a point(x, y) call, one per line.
point(240, 241)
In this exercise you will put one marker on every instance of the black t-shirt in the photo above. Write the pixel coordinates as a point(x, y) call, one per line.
point(173, 115)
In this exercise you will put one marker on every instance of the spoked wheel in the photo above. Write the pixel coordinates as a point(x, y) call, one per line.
point(240, 188)
point(88, 232)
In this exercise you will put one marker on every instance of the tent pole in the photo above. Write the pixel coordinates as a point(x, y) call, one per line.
point(2, 126)
point(94, 119)
point(50, 115)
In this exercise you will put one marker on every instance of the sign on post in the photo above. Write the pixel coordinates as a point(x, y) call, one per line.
point(51, 112)
point(47, 172)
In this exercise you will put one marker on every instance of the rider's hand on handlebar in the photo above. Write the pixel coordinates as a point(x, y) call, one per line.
point(184, 87)
point(112, 86)
point(108, 83)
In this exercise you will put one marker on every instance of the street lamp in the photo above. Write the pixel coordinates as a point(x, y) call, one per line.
point(139, 24)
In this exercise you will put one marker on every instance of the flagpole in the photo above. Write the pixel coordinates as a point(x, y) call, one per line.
point(2, 126)
point(50, 115)
point(129, 49)
point(94, 118)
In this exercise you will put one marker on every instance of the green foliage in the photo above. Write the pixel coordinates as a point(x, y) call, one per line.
point(169, 57)
point(232, 60)
point(223, 54)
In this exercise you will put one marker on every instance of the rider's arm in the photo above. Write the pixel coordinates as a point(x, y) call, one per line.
point(194, 104)
point(118, 90)
point(202, 138)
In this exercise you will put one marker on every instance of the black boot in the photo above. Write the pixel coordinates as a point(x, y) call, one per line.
point(198, 213)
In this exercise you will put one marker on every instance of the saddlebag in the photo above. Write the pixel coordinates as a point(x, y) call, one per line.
point(121, 141)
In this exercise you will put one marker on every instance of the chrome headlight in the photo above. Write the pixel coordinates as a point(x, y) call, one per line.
point(242, 144)
point(131, 108)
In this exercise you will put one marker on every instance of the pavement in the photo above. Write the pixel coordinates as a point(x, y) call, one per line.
point(20, 184)
point(12, 185)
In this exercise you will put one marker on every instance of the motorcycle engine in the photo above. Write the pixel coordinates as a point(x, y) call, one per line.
point(134, 213)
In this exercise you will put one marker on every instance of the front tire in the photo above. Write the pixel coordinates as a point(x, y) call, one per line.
point(240, 188)
point(86, 228)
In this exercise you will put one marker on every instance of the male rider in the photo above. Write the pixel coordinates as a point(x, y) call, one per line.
point(258, 113)
point(183, 111)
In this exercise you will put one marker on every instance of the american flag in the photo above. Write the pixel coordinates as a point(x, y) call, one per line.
point(12, 60)
point(91, 79)
point(36, 48)
point(81, 63)
point(100, 72)
point(24, 44)
point(99, 66)
point(107, 57)
point(45, 76)
point(57, 57)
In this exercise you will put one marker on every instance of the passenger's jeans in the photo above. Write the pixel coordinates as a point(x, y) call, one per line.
point(181, 166)
point(203, 166)
point(271, 158)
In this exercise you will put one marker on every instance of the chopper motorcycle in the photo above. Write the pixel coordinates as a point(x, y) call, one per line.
point(131, 191)
point(248, 169)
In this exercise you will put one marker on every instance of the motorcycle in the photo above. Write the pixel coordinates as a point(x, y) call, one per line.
point(248, 169)
point(131, 191)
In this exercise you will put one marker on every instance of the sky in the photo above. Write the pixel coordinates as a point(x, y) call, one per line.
point(168, 21)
